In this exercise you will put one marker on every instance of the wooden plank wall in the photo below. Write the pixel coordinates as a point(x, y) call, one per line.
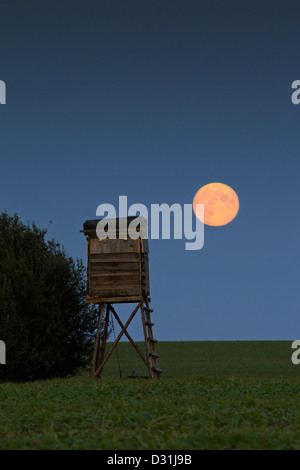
point(113, 246)
point(117, 268)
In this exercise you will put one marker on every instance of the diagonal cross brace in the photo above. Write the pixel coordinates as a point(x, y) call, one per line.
point(117, 340)
point(128, 336)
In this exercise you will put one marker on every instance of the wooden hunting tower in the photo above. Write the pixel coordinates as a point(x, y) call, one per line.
point(118, 272)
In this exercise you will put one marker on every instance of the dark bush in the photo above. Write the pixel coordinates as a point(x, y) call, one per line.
point(45, 322)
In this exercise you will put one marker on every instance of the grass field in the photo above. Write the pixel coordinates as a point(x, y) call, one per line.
point(212, 395)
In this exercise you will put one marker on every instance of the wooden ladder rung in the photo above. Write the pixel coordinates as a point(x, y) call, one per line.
point(154, 355)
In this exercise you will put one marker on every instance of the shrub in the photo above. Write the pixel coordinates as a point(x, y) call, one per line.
point(45, 322)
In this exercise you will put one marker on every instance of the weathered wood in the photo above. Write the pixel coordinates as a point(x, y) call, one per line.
point(130, 279)
point(146, 342)
point(104, 338)
point(102, 270)
point(114, 265)
point(114, 283)
point(113, 246)
point(118, 269)
point(114, 299)
point(117, 340)
point(122, 284)
point(116, 279)
point(118, 272)
point(152, 353)
point(121, 298)
point(128, 336)
point(145, 272)
point(116, 228)
point(97, 339)
point(114, 257)
point(117, 291)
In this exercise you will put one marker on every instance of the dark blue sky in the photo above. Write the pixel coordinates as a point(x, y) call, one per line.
point(154, 99)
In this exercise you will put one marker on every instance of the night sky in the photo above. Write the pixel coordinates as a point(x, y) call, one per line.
point(154, 99)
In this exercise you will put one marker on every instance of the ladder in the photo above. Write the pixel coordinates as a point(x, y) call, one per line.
point(152, 356)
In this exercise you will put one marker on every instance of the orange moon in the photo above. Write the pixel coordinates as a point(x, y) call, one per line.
point(221, 204)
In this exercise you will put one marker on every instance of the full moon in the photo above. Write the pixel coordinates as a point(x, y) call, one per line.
point(221, 204)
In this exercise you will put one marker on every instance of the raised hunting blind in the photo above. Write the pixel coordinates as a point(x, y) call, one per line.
point(118, 272)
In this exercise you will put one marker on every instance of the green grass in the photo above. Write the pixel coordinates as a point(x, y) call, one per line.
point(186, 359)
point(212, 395)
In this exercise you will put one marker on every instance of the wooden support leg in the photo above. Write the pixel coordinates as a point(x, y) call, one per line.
point(97, 340)
point(104, 338)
